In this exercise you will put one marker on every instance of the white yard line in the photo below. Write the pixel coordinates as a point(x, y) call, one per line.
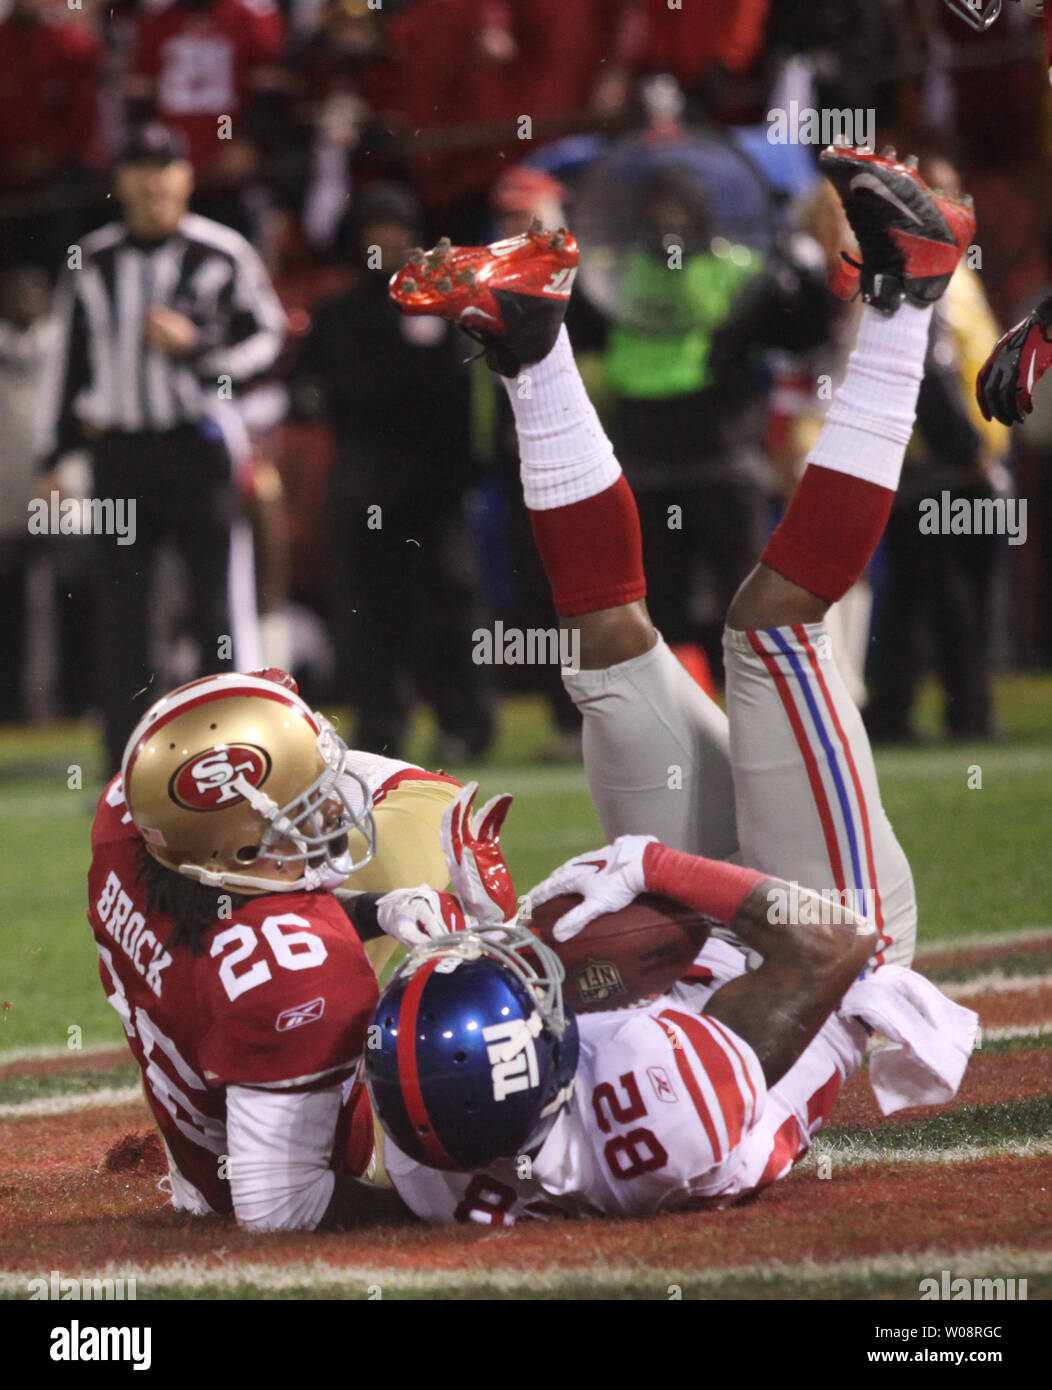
point(1022, 936)
point(48, 1052)
point(62, 1105)
point(995, 982)
point(190, 1275)
point(1015, 1030)
point(826, 1146)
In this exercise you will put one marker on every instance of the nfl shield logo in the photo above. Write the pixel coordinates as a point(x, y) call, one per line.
point(599, 980)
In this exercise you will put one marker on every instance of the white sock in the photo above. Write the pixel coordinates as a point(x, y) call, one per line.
point(871, 418)
point(564, 453)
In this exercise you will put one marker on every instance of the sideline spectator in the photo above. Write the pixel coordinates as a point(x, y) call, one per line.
point(201, 66)
point(937, 606)
point(26, 335)
point(688, 423)
point(396, 394)
point(49, 126)
point(346, 95)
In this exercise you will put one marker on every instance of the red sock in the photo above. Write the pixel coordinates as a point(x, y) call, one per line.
point(592, 551)
point(830, 530)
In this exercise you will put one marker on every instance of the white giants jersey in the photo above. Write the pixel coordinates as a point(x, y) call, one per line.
point(664, 1098)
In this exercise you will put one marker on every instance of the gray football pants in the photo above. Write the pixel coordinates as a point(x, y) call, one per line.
point(784, 781)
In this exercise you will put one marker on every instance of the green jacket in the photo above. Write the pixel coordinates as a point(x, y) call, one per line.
point(661, 344)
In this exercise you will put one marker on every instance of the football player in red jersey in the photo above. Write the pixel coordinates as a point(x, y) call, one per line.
point(242, 983)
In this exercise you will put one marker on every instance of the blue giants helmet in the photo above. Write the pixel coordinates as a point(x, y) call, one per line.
point(472, 1054)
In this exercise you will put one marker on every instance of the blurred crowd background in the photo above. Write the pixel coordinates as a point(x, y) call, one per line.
point(333, 135)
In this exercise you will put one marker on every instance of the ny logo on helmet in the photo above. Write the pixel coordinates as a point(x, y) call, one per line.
point(208, 781)
point(512, 1055)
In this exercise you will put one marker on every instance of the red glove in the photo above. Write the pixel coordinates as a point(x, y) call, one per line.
point(477, 871)
point(1004, 388)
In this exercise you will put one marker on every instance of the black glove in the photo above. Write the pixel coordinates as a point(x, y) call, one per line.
point(1004, 387)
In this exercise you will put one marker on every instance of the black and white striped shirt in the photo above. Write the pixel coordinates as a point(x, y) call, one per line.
point(104, 376)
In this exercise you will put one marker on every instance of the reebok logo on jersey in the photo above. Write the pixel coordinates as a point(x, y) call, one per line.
point(300, 1014)
point(663, 1088)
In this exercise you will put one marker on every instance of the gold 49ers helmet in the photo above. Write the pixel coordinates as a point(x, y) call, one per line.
point(234, 781)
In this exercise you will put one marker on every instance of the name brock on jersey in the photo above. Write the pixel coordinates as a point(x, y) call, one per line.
point(129, 930)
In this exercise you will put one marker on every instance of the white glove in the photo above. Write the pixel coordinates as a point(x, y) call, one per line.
point(471, 844)
point(608, 879)
point(415, 916)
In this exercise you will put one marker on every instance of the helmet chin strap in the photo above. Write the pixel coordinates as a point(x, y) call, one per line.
point(329, 876)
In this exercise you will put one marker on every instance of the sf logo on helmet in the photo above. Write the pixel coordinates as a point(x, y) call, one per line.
point(512, 1055)
point(207, 781)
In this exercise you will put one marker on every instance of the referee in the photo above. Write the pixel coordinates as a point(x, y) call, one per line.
point(164, 316)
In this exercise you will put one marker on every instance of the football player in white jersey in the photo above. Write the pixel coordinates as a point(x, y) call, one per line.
point(497, 1102)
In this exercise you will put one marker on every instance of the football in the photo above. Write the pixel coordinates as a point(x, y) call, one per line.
point(623, 957)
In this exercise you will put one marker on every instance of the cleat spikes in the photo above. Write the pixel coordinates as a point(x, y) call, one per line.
point(911, 162)
point(890, 152)
point(511, 297)
point(416, 256)
point(536, 227)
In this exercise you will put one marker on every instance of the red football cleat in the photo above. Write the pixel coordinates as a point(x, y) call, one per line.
point(510, 296)
point(911, 238)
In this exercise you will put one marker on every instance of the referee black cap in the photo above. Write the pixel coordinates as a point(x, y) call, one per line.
point(152, 143)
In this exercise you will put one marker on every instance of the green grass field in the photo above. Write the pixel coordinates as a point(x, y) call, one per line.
point(979, 855)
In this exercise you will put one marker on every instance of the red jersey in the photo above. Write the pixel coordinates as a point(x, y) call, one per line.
point(279, 1000)
point(48, 98)
point(685, 41)
point(198, 65)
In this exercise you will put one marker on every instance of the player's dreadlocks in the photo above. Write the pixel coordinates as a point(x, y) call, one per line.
point(192, 907)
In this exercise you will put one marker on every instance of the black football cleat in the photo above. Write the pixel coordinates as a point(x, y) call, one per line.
point(911, 238)
point(510, 296)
